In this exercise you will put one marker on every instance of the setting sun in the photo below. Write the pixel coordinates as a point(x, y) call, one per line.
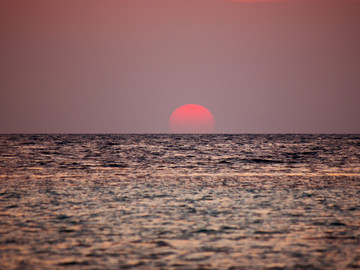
point(191, 118)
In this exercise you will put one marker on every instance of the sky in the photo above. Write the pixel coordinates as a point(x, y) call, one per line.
point(123, 66)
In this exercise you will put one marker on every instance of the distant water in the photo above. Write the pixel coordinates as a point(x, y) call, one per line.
point(180, 201)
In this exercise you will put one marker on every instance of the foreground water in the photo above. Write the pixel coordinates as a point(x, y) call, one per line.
point(180, 201)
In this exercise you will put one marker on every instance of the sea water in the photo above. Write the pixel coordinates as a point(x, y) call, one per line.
point(179, 201)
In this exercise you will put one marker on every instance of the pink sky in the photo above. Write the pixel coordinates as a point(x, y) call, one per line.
point(124, 66)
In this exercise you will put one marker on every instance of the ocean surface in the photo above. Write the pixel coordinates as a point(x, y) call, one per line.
point(180, 202)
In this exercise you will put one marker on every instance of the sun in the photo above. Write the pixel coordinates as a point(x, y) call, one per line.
point(191, 118)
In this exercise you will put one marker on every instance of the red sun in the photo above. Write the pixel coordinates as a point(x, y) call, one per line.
point(191, 118)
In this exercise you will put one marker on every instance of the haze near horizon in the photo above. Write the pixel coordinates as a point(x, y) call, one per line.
point(125, 66)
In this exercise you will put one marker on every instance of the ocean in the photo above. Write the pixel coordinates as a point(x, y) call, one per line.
point(179, 201)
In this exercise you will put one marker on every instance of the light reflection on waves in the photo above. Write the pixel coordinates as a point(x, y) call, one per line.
point(212, 175)
point(206, 154)
point(180, 202)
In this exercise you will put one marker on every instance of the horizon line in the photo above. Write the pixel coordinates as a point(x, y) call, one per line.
point(168, 133)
